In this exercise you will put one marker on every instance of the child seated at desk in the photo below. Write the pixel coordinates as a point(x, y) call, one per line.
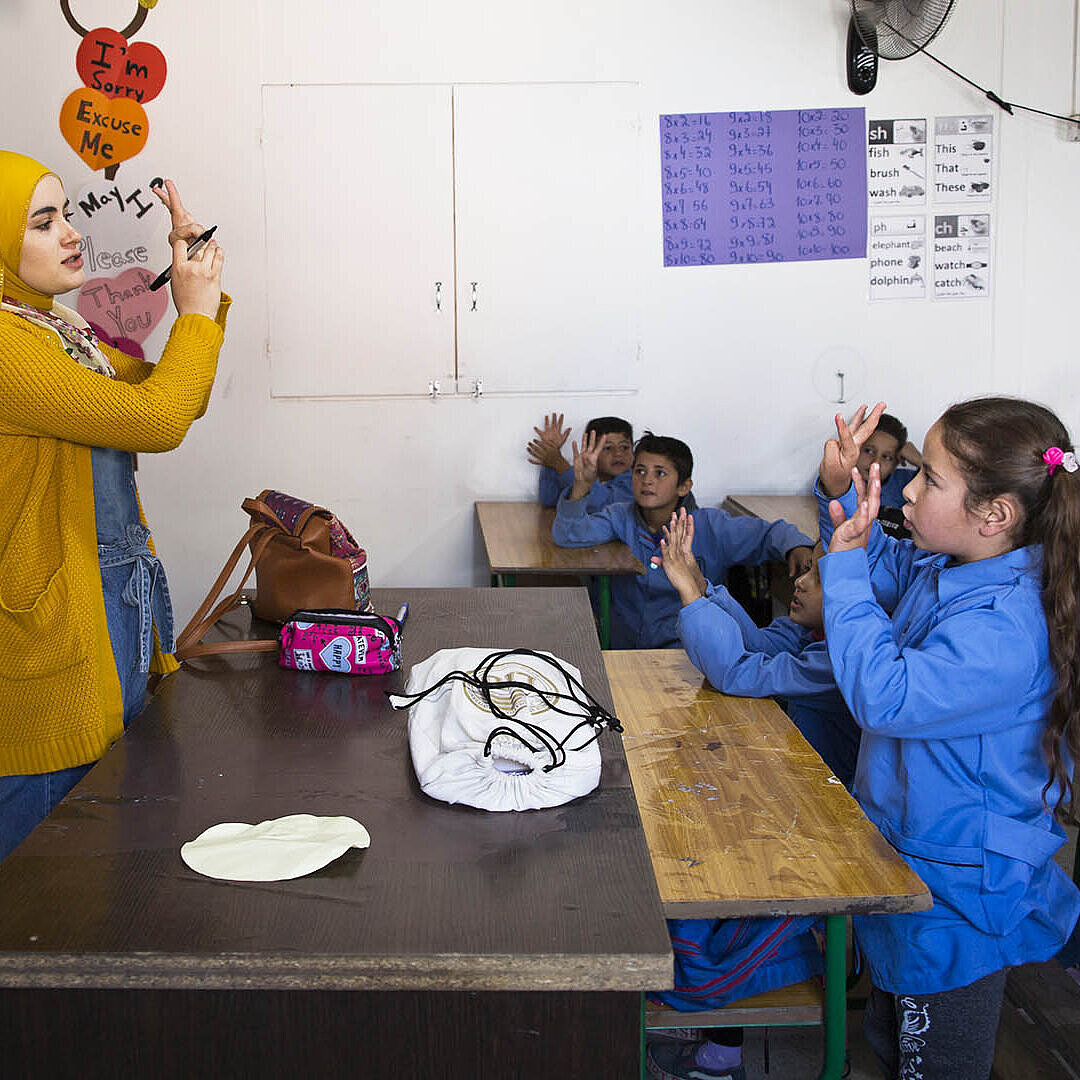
point(613, 463)
point(788, 658)
point(644, 609)
point(888, 447)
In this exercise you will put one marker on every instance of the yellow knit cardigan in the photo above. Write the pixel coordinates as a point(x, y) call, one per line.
point(60, 701)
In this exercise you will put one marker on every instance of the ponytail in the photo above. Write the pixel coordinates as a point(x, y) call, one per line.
point(999, 444)
point(1061, 603)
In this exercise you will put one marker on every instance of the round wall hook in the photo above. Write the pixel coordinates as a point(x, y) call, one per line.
point(132, 27)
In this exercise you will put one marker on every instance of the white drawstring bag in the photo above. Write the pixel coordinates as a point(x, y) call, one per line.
point(502, 730)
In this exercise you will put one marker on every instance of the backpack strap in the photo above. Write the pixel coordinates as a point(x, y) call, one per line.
point(188, 641)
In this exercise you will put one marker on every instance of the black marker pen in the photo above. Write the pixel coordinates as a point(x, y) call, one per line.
point(195, 246)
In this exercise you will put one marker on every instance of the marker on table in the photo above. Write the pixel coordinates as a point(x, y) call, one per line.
point(403, 613)
point(194, 247)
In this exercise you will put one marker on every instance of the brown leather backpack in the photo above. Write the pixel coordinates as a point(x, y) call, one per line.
point(303, 557)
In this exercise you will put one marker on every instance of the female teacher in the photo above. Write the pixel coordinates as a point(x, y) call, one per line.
point(84, 605)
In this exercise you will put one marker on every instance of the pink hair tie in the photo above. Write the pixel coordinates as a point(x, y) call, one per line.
point(1055, 456)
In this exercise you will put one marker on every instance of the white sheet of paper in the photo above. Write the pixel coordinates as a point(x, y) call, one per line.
point(274, 850)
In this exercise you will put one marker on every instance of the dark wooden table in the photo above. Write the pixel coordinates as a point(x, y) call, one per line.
point(460, 944)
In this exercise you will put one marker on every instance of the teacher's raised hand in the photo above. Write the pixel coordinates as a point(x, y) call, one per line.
point(195, 281)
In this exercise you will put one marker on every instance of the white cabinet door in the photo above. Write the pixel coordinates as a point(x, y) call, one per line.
point(548, 214)
point(360, 238)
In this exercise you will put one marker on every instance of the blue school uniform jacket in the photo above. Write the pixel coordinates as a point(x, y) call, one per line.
point(892, 491)
point(617, 489)
point(951, 693)
point(644, 609)
point(781, 659)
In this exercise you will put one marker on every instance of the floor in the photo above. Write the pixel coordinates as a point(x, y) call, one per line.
point(795, 1053)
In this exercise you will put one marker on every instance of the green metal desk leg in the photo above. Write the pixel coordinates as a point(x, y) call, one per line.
point(605, 611)
point(835, 997)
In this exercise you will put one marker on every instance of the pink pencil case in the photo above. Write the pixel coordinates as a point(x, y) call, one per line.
point(348, 642)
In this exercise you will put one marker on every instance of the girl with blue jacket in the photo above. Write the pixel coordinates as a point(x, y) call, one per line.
point(958, 652)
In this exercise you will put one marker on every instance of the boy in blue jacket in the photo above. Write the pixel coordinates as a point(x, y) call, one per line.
point(644, 609)
point(888, 447)
point(788, 658)
point(612, 482)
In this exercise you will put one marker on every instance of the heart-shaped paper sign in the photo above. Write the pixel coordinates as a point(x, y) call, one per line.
point(124, 344)
point(106, 62)
point(103, 131)
point(123, 306)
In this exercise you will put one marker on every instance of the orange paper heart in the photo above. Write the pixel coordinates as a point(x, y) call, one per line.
point(103, 131)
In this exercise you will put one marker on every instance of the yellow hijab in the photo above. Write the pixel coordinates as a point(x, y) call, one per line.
point(19, 175)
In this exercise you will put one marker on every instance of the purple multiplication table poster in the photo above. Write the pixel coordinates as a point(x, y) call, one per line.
point(771, 186)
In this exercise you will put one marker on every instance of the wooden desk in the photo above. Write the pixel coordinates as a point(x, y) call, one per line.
point(433, 953)
point(517, 539)
point(800, 510)
point(744, 818)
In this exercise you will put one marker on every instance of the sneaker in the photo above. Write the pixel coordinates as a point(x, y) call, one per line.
point(677, 1061)
point(676, 1034)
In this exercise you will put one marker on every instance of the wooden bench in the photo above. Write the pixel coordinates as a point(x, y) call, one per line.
point(743, 818)
point(800, 1005)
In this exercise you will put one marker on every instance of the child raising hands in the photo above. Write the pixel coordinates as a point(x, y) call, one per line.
point(958, 652)
point(612, 481)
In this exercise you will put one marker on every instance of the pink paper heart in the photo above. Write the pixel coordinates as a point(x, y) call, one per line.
point(123, 306)
point(125, 345)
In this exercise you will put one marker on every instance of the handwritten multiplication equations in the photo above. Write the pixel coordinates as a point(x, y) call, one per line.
point(756, 187)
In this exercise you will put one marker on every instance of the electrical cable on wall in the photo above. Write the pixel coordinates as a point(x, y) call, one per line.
point(897, 29)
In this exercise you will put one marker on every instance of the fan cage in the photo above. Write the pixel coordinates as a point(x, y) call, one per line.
point(897, 29)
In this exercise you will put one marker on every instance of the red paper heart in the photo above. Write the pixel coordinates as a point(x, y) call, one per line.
point(123, 306)
point(106, 62)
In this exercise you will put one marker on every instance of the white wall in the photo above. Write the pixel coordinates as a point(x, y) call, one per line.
point(730, 350)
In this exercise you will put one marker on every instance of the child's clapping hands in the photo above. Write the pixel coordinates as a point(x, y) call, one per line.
point(677, 558)
point(854, 532)
point(585, 464)
point(546, 448)
point(841, 454)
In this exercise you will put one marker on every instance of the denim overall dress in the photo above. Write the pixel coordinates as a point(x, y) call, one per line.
point(132, 577)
